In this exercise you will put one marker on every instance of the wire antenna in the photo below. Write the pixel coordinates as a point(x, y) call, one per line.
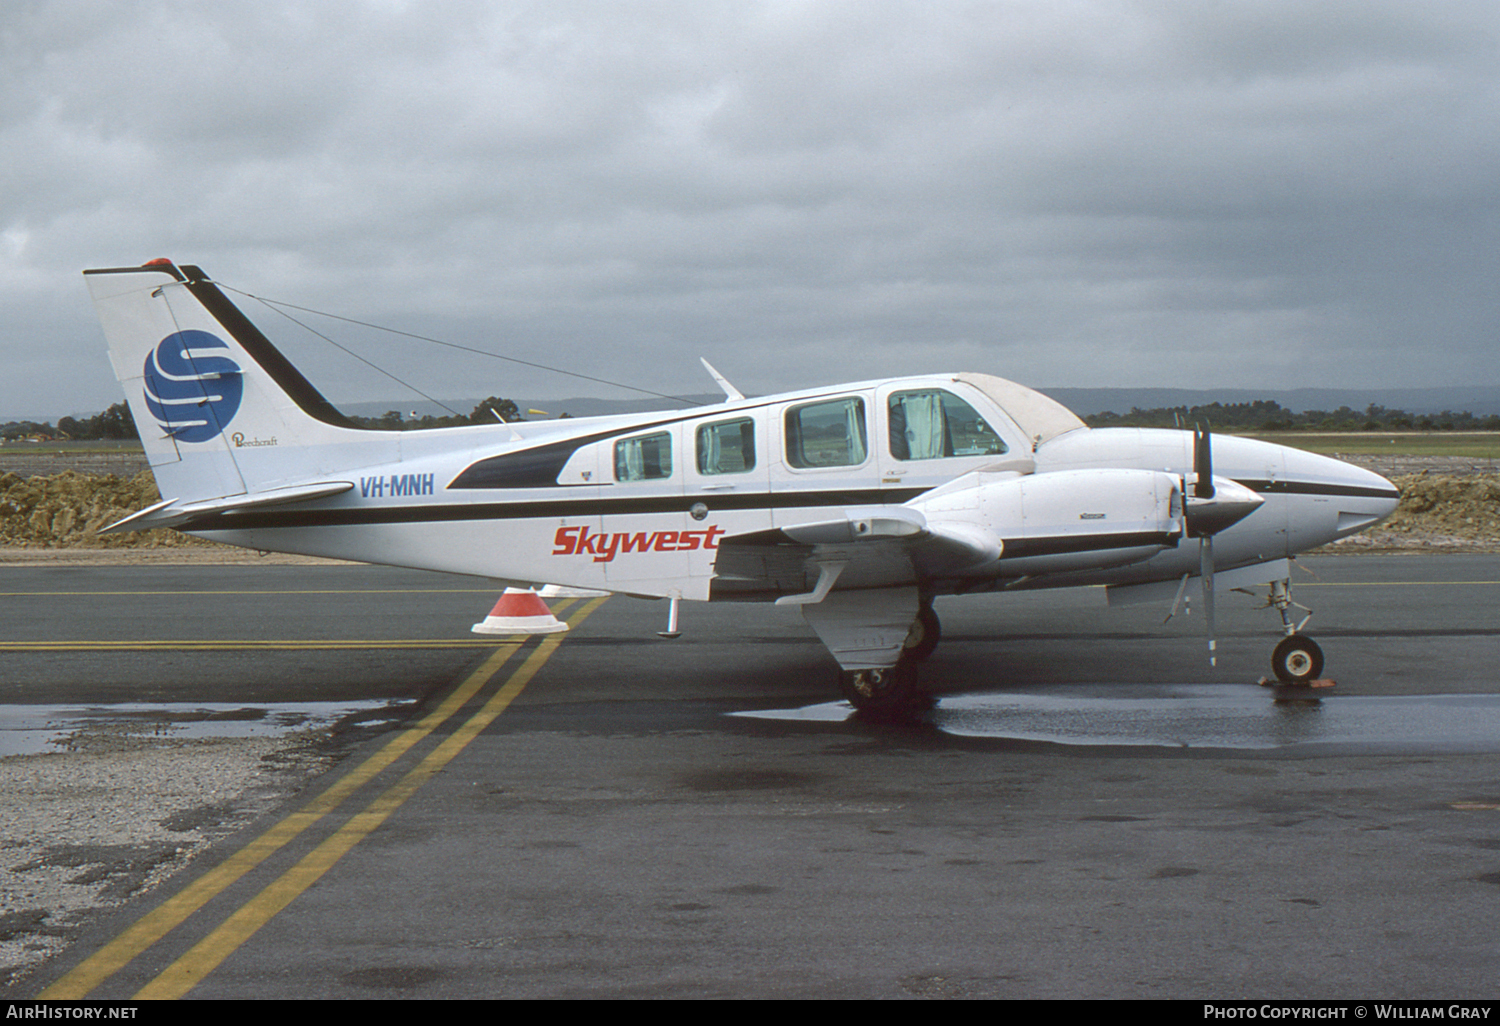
point(278, 307)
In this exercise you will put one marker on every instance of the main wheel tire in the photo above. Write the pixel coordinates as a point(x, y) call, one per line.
point(924, 636)
point(891, 691)
point(1297, 659)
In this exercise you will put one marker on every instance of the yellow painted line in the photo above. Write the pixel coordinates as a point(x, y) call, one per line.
point(114, 956)
point(260, 591)
point(244, 645)
point(189, 970)
point(1386, 584)
point(109, 959)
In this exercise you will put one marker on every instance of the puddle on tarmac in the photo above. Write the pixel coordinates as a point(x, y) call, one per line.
point(31, 729)
point(1206, 716)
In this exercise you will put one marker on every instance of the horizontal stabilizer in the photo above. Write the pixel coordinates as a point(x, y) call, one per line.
point(168, 514)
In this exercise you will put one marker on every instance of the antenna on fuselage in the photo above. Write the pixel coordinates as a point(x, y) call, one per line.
point(731, 394)
point(515, 436)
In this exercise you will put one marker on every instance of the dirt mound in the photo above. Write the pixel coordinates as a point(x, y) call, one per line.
point(1438, 512)
point(67, 510)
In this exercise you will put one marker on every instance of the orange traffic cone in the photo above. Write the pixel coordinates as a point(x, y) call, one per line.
point(520, 611)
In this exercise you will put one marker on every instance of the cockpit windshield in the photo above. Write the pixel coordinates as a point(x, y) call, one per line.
point(933, 423)
point(1039, 417)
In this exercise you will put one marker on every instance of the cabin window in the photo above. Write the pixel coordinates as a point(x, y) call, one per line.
point(931, 423)
point(727, 447)
point(827, 434)
point(647, 458)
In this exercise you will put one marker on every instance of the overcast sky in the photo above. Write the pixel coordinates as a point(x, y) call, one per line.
point(1238, 193)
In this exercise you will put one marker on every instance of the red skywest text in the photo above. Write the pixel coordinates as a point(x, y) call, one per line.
point(575, 541)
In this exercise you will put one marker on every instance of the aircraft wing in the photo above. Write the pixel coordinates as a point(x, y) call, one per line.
point(869, 547)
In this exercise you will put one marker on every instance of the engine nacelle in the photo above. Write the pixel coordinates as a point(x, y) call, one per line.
point(1069, 520)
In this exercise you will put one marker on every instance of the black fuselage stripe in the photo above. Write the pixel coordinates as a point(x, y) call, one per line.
point(580, 507)
point(638, 506)
point(1317, 488)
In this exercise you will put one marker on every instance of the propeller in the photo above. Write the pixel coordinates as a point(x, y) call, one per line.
point(1203, 490)
point(1212, 507)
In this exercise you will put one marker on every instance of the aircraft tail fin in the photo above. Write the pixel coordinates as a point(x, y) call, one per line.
point(220, 411)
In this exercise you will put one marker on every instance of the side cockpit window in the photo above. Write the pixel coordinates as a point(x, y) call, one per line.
point(827, 434)
point(727, 447)
point(932, 423)
point(647, 458)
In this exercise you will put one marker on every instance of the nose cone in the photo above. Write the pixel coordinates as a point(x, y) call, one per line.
point(1377, 499)
point(1361, 498)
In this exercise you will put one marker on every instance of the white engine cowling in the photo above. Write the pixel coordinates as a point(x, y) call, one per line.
point(1070, 520)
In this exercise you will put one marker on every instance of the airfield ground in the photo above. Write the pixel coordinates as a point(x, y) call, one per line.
point(112, 812)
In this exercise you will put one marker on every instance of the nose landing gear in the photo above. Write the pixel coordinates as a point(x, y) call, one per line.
point(1297, 658)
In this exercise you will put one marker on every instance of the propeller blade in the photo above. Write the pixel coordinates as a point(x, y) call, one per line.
point(1207, 511)
point(1203, 463)
point(1206, 572)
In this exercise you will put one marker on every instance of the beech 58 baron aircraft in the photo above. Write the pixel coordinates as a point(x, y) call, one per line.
point(859, 503)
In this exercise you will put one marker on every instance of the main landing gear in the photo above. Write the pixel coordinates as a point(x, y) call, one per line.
point(896, 691)
point(890, 691)
point(925, 634)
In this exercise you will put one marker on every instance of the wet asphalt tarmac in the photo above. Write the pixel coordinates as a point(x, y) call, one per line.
point(1089, 811)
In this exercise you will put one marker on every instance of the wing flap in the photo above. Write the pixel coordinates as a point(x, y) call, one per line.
point(869, 547)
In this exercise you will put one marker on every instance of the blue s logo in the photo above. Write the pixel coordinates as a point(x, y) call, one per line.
point(192, 394)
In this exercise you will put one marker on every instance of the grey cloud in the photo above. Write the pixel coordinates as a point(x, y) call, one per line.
point(1083, 193)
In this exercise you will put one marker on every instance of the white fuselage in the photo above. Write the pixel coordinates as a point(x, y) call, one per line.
point(640, 503)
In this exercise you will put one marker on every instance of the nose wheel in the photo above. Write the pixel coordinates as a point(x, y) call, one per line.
point(1297, 659)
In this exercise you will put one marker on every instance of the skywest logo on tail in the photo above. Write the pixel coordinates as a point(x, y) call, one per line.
point(192, 391)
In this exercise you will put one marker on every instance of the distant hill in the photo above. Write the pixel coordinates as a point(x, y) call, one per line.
point(1480, 400)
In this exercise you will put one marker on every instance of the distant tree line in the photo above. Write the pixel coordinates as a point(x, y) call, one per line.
point(115, 423)
point(492, 410)
point(1266, 415)
point(1263, 415)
